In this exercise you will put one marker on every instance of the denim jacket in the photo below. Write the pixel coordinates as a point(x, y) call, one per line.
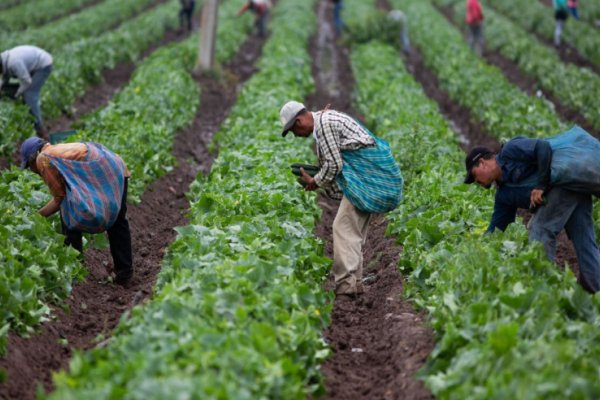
point(525, 165)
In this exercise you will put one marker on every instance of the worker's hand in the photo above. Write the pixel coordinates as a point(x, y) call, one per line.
point(311, 184)
point(537, 197)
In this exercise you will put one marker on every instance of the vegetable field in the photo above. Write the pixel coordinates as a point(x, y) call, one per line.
point(232, 296)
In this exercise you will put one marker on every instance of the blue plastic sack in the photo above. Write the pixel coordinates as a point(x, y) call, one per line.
point(576, 161)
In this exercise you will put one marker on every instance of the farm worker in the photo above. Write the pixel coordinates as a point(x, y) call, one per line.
point(261, 9)
point(561, 13)
point(527, 174)
point(31, 66)
point(88, 184)
point(186, 12)
point(354, 166)
point(474, 20)
point(399, 17)
point(338, 22)
point(572, 4)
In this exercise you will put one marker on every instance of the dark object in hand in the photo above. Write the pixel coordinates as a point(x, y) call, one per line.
point(311, 170)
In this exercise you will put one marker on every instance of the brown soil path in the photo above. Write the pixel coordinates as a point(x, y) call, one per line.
point(379, 341)
point(95, 306)
point(527, 83)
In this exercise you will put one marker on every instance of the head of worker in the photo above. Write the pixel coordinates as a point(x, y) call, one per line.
point(482, 167)
point(30, 149)
point(296, 118)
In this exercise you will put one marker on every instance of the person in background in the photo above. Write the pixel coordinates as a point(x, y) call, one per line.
point(474, 20)
point(561, 13)
point(399, 17)
point(338, 22)
point(186, 12)
point(32, 67)
point(261, 9)
point(572, 4)
point(88, 184)
point(521, 172)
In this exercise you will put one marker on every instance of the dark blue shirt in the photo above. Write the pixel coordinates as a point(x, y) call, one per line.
point(525, 165)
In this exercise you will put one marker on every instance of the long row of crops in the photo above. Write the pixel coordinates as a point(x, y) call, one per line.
point(573, 86)
point(139, 124)
point(79, 64)
point(539, 19)
point(509, 323)
point(239, 305)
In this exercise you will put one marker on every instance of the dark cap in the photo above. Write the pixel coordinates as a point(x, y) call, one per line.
point(29, 148)
point(476, 154)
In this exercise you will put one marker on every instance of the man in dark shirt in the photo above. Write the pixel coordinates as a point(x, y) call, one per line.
point(522, 173)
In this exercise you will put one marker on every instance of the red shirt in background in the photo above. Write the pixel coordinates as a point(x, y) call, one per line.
point(474, 13)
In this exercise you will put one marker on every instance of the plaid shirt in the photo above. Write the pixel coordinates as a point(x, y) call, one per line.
point(333, 132)
point(49, 173)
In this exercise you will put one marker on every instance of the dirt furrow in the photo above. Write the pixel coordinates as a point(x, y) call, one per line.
point(527, 83)
point(378, 340)
point(95, 307)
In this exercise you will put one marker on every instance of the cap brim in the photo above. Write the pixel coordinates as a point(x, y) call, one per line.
point(288, 126)
point(469, 178)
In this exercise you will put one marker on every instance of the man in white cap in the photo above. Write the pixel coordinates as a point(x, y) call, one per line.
point(347, 154)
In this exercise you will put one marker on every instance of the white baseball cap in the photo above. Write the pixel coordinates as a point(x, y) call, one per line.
point(288, 114)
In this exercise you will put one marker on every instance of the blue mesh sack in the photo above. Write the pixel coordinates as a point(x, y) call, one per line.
point(576, 161)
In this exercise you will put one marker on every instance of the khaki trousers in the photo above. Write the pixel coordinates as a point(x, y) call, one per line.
point(349, 234)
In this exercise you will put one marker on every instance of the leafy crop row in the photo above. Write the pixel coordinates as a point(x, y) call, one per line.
point(239, 305)
point(139, 124)
point(79, 64)
point(482, 88)
point(509, 323)
point(539, 19)
point(89, 22)
point(573, 86)
point(37, 13)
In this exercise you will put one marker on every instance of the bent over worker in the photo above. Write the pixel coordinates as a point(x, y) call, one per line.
point(32, 67)
point(555, 177)
point(88, 184)
point(354, 166)
point(261, 9)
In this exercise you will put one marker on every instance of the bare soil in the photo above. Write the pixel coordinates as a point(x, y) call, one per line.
point(378, 340)
point(96, 306)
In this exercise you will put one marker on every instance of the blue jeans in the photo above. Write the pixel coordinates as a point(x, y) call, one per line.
point(337, 16)
point(573, 212)
point(261, 22)
point(32, 94)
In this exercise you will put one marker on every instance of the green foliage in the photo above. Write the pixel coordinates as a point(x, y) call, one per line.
point(37, 13)
point(573, 86)
point(239, 308)
point(79, 64)
point(36, 268)
point(539, 19)
point(509, 323)
point(504, 109)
